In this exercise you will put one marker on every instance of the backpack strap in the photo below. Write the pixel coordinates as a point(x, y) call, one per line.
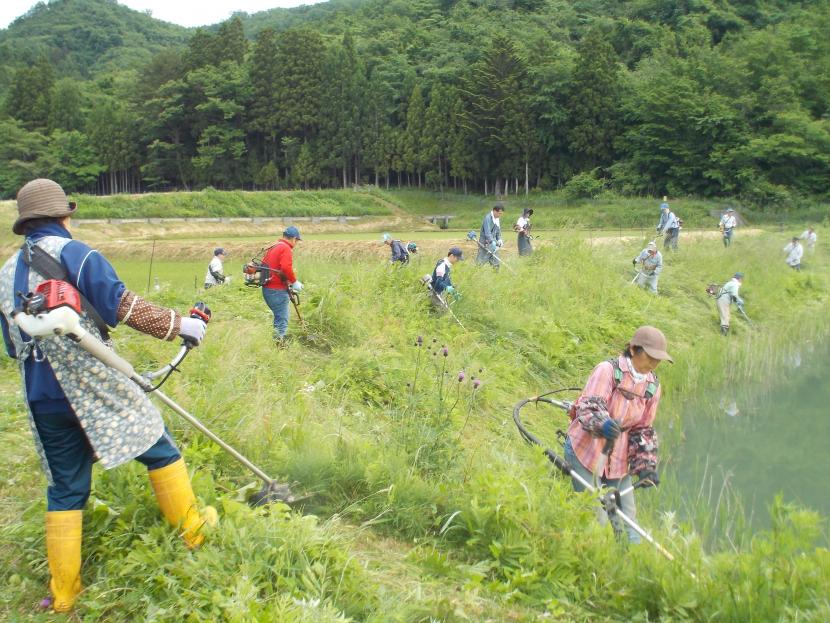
point(48, 267)
point(651, 388)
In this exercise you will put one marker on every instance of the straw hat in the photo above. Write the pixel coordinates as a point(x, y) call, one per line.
point(41, 198)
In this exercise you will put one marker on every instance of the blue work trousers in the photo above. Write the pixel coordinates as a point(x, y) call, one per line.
point(70, 456)
point(278, 301)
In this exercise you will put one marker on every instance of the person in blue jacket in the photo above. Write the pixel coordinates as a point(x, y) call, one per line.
point(441, 283)
point(399, 251)
point(489, 239)
point(80, 410)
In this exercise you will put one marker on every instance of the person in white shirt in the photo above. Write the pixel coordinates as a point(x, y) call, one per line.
point(794, 252)
point(522, 227)
point(215, 273)
point(727, 295)
point(669, 225)
point(652, 266)
point(809, 236)
point(727, 225)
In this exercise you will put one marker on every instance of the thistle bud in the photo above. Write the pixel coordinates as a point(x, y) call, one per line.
point(461, 376)
point(445, 351)
point(476, 383)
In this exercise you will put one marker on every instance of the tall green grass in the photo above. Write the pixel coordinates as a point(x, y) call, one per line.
point(236, 203)
point(447, 496)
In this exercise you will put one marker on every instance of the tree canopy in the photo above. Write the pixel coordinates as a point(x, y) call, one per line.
point(703, 98)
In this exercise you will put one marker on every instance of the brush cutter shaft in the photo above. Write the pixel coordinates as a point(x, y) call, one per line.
point(500, 261)
point(209, 434)
point(97, 349)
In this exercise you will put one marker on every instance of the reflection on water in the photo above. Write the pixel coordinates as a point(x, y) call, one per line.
point(764, 440)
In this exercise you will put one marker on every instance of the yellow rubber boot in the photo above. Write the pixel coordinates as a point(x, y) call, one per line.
point(171, 484)
point(63, 551)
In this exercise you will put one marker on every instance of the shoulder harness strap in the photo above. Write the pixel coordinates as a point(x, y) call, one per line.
point(651, 388)
point(48, 267)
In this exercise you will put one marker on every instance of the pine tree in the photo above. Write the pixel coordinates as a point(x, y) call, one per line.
point(594, 103)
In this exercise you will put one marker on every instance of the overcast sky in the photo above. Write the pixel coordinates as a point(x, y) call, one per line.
point(184, 12)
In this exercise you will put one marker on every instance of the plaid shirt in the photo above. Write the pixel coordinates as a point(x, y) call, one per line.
point(626, 404)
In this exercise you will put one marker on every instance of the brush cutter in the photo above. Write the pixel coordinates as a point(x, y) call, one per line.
point(472, 236)
point(609, 500)
point(54, 310)
point(449, 309)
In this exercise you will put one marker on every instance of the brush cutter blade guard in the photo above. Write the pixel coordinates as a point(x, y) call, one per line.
point(274, 491)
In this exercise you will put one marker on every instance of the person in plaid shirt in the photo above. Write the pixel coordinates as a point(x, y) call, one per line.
point(616, 409)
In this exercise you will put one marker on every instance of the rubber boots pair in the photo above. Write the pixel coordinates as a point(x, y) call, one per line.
point(63, 551)
point(171, 485)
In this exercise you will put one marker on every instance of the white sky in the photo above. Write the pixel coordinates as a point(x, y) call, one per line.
point(183, 12)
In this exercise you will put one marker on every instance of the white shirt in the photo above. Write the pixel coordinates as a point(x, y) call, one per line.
point(522, 223)
point(794, 252)
point(215, 266)
point(810, 237)
point(442, 267)
point(728, 221)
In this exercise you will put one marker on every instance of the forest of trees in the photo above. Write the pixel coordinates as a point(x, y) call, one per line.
point(685, 97)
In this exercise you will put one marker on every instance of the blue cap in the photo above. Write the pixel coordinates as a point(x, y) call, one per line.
point(457, 252)
point(386, 237)
point(738, 275)
point(292, 232)
point(219, 251)
point(471, 235)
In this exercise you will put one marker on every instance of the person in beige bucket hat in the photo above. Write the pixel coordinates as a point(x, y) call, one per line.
point(41, 198)
point(611, 436)
point(80, 410)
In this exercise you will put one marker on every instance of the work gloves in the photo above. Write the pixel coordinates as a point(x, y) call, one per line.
point(634, 262)
point(193, 329)
point(648, 478)
point(610, 429)
point(297, 286)
point(450, 290)
point(499, 243)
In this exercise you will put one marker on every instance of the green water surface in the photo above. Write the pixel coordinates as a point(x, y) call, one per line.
point(776, 443)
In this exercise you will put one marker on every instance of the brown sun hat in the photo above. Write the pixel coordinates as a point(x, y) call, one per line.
point(651, 340)
point(41, 198)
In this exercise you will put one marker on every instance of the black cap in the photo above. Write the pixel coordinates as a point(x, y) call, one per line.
point(457, 252)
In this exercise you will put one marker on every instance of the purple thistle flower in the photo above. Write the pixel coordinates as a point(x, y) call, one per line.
point(476, 383)
point(46, 602)
point(461, 376)
point(445, 351)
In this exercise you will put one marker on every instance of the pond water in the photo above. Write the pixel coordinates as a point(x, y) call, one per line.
point(764, 441)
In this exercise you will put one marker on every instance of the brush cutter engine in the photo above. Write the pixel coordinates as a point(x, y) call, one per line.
point(50, 295)
point(254, 273)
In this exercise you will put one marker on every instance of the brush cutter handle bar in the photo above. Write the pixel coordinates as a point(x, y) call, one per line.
point(212, 436)
point(186, 346)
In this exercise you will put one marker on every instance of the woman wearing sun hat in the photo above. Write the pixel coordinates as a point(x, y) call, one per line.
point(611, 437)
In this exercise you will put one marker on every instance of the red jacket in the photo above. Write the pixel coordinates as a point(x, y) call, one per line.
point(280, 257)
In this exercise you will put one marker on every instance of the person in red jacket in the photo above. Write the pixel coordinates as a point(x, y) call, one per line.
point(279, 260)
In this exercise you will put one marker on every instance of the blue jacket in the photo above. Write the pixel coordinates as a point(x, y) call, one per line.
point(441, 276)
point(94, 277)
point(399, 252)
point(490, 232)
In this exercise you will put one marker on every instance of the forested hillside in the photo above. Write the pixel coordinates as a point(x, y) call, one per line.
point(705, 98)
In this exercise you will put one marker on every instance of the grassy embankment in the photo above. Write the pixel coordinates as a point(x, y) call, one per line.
point(427, 506)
